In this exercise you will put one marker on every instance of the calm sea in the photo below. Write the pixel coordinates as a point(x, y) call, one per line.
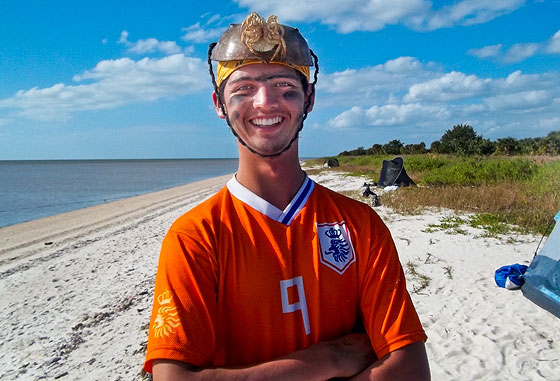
point(34, 189)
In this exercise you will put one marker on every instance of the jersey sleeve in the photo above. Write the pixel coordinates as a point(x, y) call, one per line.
point(388, 314)
point(182, 325)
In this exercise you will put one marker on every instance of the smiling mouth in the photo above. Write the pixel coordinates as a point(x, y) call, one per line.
point(267, 121)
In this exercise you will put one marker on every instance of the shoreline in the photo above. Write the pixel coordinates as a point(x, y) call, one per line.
point(81, 305)
point(59, 228)
point(42, 188)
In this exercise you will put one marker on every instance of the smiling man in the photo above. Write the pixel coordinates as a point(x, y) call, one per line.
point(275, 276)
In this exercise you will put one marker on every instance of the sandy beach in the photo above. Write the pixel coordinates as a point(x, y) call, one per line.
point(77, 291)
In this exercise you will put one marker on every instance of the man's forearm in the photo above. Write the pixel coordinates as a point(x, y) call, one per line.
point(407, 363)
point(342, 357)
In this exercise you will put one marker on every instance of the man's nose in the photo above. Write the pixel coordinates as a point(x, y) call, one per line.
point(265, 98)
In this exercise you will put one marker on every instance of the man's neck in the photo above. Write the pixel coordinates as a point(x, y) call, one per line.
point(276, 179)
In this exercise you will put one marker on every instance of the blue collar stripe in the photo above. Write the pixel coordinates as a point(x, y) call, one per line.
point(299, 202)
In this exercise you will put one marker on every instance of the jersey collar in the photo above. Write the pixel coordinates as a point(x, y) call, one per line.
point(285, 216)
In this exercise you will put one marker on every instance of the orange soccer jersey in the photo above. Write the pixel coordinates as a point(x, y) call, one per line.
point(240, 281)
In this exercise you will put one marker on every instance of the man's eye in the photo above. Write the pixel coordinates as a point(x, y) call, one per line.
point(284, 84)
point(243, 88)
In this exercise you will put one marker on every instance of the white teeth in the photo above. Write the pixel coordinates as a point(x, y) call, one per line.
point(267, 122)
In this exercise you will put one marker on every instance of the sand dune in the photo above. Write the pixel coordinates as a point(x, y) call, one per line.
point(78, 307)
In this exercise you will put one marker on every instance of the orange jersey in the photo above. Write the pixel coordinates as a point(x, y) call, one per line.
point(240, 281)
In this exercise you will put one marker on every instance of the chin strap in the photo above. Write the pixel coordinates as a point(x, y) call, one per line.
point(223, 108)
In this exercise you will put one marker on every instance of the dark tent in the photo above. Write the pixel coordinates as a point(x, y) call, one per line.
point(393, 173)
point(542, 278)
point(331, 163)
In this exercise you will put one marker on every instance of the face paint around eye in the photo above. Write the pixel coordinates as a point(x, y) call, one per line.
point(293, 95)
point(237, 99)
point(234, 116)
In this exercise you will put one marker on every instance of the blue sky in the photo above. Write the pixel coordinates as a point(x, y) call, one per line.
point(123, 79)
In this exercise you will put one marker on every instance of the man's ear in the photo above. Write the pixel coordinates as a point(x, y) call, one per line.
point(311, 95)
point(217, 106)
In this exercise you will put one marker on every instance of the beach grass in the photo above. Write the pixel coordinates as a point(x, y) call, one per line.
point(505, 193)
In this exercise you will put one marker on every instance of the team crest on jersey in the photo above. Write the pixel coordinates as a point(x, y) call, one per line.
point(336, 247)
point(167, 318)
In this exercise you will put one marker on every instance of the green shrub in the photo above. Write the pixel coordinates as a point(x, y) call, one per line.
point(472, 171)
point(524, 191)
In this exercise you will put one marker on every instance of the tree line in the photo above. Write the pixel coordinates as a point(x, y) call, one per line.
point(462, 140)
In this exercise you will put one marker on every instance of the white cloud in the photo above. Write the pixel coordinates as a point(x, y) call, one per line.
point(347, 16)
point(436, 101)
point(553, 45)
point(348, 119)
point(111, 84)
point(360, 87)
point(451, 86)
point(487, 51)
point(403, 65)
point(196, 34)
point(522, 101)
point(387, 115)
point(470, 12)
point(404, 114)
point(517, 80)
point(210, 30)
point(519, 52)
point(149, 45)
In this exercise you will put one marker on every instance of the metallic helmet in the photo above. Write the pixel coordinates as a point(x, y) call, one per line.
point(260, 39)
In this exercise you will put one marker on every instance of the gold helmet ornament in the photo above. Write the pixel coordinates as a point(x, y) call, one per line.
point(257, 40)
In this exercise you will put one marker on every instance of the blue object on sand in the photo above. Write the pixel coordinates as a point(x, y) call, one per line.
point(511, 276)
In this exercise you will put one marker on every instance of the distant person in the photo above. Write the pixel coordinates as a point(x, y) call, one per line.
point(276, 277)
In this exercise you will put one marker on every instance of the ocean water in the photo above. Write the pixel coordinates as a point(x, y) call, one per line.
point(36, 188)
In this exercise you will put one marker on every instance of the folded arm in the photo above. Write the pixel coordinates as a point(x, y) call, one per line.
point(343, 357)
point(407, 363)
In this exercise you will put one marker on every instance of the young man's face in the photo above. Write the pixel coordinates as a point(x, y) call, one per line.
point(265, 104)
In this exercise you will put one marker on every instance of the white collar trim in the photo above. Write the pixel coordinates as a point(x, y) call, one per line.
point(285, 216)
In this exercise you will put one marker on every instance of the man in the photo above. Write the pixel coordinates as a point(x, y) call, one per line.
point(276, 277)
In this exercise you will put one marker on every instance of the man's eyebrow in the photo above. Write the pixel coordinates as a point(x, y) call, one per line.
point(264, 78)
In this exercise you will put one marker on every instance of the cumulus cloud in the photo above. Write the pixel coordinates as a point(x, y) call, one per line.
point(348, 119)
point(518, 52)
point(347, 16)
point(360, 87)
point(487, 51)
point(400, 114)
point(210, 28)
point(111, 84)
point(434, 98)
point(388, 115)
point(197, 34)
point(470, 12)
point(450, 86)
point(523, 101)
point(553, 45)
point(517, 81)
point(149, 45)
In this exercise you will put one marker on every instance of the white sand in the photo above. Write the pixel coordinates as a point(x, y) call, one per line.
point(78, 309)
